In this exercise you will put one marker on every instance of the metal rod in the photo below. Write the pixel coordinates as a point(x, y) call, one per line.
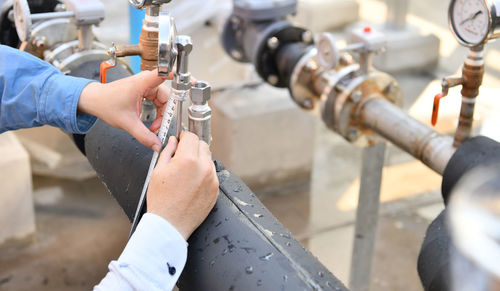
point(421, 141)
point(51, 15)
point(85, 37)
point(396, 14)
point(367, 216)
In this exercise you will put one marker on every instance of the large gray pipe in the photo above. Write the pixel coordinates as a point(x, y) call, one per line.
point(240, 246)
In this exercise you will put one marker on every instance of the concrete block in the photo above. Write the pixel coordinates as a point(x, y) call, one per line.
point(262, 136)
point(17, 218)
point(53, 153)
point(407, 49)
point(325, 15)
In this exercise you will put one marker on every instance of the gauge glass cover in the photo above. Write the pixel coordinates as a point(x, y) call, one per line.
point(470, 20)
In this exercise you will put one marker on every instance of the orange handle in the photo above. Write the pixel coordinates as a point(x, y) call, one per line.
point(104, 67)
point(435, 108)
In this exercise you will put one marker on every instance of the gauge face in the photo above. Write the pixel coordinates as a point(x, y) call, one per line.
point(470, 20)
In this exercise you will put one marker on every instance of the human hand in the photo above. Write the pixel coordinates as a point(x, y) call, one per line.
point(119, 104)
point(183, 188)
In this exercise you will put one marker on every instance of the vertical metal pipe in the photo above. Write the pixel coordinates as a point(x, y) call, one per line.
point(472, 74)
point(85, 37)
point(367, 216)
point(396, 14)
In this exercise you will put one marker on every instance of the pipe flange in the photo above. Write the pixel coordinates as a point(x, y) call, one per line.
point(53, 32)
point(342, 102)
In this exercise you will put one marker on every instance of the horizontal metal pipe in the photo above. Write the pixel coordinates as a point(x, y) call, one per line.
point(432, 148)
point(52, 15)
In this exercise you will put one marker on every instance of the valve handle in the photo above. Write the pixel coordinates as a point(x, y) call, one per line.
point(435, 107)
point(106, 65)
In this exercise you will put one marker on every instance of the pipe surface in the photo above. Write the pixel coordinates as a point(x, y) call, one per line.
point(240, 246)
point(412, 136)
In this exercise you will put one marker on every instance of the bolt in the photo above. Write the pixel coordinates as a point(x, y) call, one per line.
point(356, 97)
point(352, 135)
point(236, 54)
point(235, 20)
point(273, 80)
point(307, 36)
point(273, 43)
point(39, 41)
point(200, 93)
point(307, 104)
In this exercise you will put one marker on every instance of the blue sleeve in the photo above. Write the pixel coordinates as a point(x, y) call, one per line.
point(34, 93)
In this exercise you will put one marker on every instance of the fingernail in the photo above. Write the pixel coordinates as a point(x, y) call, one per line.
point(156, 148)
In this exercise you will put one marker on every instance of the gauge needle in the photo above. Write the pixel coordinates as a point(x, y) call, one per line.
point(472, 17)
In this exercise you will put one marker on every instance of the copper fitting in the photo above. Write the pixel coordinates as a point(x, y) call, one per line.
point(472, 75)
point(147, 49)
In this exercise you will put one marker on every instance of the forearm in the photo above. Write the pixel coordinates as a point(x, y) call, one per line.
point(152, 260)
point(34, 93)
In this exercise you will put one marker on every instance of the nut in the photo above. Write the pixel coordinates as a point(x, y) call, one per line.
point(200, 92)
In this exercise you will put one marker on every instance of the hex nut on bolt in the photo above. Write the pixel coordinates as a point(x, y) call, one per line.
point(200, 93)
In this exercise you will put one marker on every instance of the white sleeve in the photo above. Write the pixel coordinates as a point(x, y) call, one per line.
point(152, 260)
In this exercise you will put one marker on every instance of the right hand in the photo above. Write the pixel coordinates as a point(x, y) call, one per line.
point(184, 187)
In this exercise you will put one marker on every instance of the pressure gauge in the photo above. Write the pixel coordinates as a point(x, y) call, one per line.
point(22, 17)
point(328, 54)
point(474, 22)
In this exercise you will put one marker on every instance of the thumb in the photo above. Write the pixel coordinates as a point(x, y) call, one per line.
point(150, 79)
point(168, 152)
point(144, 135)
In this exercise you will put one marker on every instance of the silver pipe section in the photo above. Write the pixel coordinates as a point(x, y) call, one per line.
point(52, 15)
point(432, 148)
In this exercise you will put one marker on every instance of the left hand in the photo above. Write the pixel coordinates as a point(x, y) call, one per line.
point(119, 104)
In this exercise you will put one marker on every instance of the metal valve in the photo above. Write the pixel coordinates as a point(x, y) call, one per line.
point(83, 13)
point(200, 113)
point(167, 50)
point(446, 84)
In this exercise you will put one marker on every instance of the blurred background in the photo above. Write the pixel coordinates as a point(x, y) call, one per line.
point(308, 176)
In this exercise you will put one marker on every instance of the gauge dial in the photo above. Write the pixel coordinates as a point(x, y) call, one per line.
point(470, 21)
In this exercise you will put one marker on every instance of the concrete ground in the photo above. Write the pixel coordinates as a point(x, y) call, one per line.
point(80, 228)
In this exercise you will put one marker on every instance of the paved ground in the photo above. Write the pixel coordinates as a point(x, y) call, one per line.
point(80, 227)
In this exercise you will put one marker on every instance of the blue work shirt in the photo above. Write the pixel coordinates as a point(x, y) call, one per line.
point(34, 93)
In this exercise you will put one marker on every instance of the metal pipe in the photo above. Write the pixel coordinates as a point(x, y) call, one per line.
point(396, 14)
point(367, 216)
point(85, 37)
point(472, 74)
point(51, 15)
point(432, 148)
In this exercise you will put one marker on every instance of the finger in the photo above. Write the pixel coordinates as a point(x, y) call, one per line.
point(168, 152)
point(204, 151)
point(155, 126)
point(150, 79)
point(188, 145)
point(144, 135)
point(161, 96)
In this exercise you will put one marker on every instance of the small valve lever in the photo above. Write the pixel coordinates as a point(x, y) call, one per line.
point(446, 84)
point(106, 65)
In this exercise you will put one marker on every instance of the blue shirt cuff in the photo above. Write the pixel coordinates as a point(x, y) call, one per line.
point(59, 104)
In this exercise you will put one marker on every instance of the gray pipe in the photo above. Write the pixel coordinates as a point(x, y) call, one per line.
point(425, 144)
